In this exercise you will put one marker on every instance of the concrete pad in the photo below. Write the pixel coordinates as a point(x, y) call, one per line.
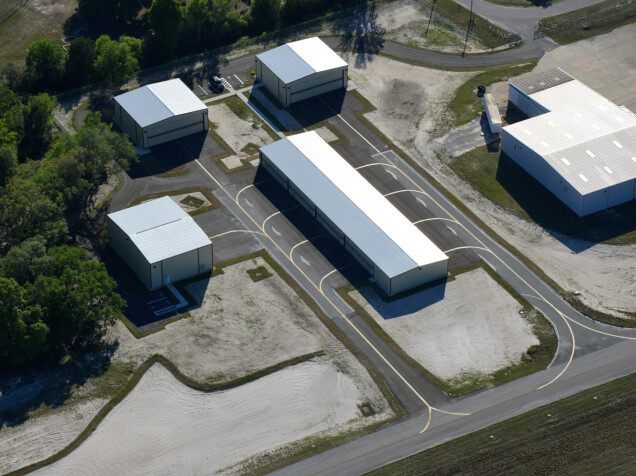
point(232, 162)
point(255, 162)
point(326, 134)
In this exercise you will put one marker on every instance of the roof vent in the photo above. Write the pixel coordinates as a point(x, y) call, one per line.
point(617, 144)
point(583, 177)
point(590, 153)
point(565, 161)
point(608, 170)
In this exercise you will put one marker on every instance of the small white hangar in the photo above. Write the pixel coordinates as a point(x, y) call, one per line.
point(160, 242)
point(377, 234)
point(578, 144)
point(300, 70)
point(160, 112)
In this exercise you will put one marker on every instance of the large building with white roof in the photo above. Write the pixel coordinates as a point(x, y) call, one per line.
point(300, 70)
point(160, 242)
point(578, 144)
point(160, 112)
point(383, 240)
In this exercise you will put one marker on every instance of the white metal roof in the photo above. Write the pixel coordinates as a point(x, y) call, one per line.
point(298, 59)
point(366, 217)
point(160, 229)
point(159, 101)
point(588, 139)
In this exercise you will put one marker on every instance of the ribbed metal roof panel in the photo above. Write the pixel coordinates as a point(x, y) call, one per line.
point(586, 131)
point(367, 218)
point(160, 229)
point(541, 81)
point(159, 101)
point(299, 59)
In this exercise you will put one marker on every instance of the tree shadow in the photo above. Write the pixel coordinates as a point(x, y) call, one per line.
point(362, 35)
point(49, 385)
point(545, 209)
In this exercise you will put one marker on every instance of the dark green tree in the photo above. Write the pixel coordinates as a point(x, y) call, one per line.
point(77, 297)
point(38, 123)
point(164, 17)
point(8, 162)
point(25, 211)
point(80, 63)
point(23, 335)
point(117, 61)
point(45, 65)
point(264, 16)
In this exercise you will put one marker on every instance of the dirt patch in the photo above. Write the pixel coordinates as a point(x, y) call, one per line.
point(474, 328)
point(164, 426)
point(411, 101)
point(237, 132)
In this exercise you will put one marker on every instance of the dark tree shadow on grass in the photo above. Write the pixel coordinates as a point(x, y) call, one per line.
point(362, 35)
point(50, 385)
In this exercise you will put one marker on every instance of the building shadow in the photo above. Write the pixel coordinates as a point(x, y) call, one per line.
point(320, 108)
point(170, 155)
point(46, 384)
point(577, 233)
point(406, 303)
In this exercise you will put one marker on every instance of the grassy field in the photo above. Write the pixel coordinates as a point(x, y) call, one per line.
point(482, 28)
point(590, 21)
point(502, 181)
point(524, 3)
point(592, 432)
point(21, 23)
point(466, 104)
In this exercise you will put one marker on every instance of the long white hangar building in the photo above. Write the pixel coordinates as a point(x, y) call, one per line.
point(578, 144)
point(381, 238)
point(300, 70)
point(160, 112)
point(160, 242)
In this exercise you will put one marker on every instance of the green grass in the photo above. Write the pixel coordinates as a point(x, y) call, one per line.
point(466, 105)
point(590, 21)
point(32, 22)
point(250, 149)
point(592, 432)
point(540, 355)
point(214, 202)
point(259, 273)
point(524, 3)
point(482, 28)
point(192, 201)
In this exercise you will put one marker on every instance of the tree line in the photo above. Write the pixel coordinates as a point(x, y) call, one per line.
point(53, 298)
point(173, 29)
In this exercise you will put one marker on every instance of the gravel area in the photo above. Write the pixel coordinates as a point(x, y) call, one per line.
point(164, 427)
point(459, 333)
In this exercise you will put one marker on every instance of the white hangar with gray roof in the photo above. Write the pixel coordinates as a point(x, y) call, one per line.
point(160, 112)
point(383, 240)
point(160, 242)
point(578, 144)
point(300, 70)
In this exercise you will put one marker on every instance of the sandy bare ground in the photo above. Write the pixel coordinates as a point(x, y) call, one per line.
point(460, 334)
point(236, 131)
point(164, 427)
point(413, 112)
point(240, 327)
point(37, 439)
point(411, 100)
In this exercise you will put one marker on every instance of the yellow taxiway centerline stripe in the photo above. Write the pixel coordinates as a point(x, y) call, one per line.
point(236, 231)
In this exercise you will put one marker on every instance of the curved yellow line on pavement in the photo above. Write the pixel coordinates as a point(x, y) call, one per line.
point(236, 231)
point(433, 219)
point(376, 163)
